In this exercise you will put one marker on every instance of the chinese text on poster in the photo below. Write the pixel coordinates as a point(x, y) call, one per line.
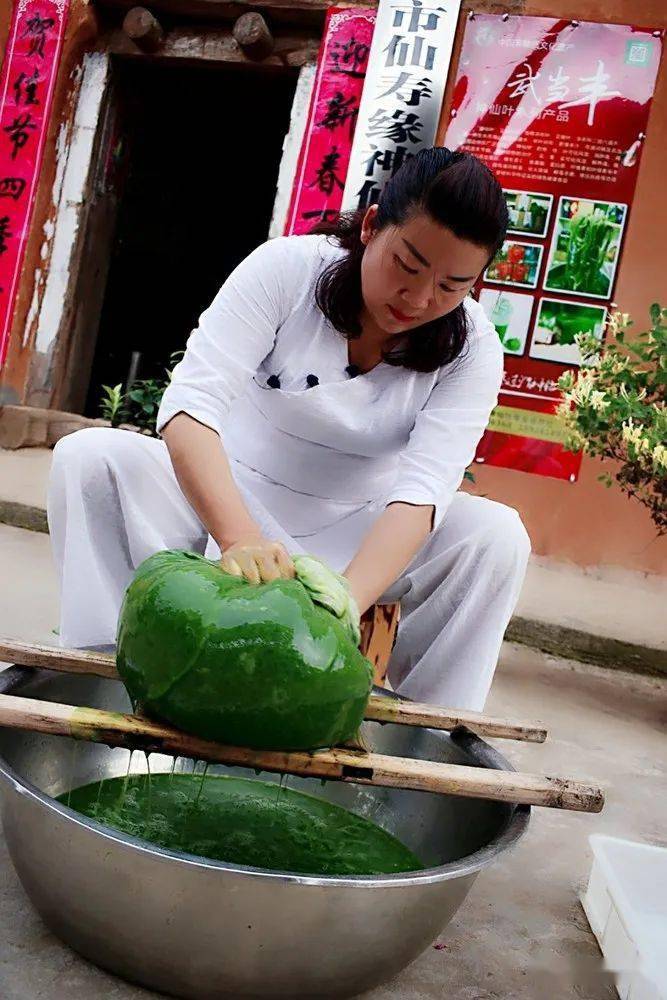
point(26, 87)
point(558, 109)
point(402, 98)
point(332, 118)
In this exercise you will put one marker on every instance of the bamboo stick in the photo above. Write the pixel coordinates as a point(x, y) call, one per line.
point(73, 661)
point(338, 764)
point(412, 713)
point(379, 709)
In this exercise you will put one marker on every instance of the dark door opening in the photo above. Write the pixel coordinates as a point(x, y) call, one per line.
point(203, 153)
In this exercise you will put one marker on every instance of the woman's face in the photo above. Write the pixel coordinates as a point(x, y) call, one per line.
point(414, 273)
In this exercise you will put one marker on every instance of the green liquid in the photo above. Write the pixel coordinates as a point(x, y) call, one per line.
point(243, 822)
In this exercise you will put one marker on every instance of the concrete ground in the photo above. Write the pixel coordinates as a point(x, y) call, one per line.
point(521, 934)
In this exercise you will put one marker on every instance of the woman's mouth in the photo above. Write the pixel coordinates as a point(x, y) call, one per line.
point(401, 317)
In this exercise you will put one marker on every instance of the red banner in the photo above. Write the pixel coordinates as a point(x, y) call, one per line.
point(26, 90)
point(558, 109)
point(332, 118)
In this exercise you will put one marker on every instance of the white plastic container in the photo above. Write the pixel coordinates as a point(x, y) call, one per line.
point(626, 906)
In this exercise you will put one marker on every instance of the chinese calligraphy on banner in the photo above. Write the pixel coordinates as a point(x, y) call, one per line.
point(402, 97)
point(26, 88)
point(558, 109)
point(332, 118)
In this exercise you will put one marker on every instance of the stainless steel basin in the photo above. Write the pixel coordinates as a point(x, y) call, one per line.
point(204, 929)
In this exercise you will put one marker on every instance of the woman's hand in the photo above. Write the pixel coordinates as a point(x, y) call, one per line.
point(257, 559)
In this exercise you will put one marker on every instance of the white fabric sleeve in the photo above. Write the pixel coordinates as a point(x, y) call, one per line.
point(445, 434)
point(234, 335)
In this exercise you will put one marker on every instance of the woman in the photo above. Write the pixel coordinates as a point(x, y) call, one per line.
point(329, 401)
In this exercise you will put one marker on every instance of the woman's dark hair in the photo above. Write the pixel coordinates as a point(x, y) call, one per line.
point(455, 190)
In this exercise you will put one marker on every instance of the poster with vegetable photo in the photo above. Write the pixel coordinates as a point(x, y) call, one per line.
point(510, 314)
point(515, 264)
point(585, 247)
point(557, 325)
point(528, 212)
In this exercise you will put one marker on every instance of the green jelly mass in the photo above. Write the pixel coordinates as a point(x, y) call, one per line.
point(254, 665)
point(243, 822)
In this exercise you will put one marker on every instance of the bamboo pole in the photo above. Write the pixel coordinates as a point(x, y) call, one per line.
point(71, 661)
point(413, 713)
point(380, 708)
point(338, 764)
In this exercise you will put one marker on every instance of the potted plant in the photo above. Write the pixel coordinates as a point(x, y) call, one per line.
point(136, 406)
point(614, 408)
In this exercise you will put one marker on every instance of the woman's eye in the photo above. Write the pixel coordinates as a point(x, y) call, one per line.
point(445, 289)
point(403, 265)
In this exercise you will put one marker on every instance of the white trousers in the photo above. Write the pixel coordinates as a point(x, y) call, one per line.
point(114, 500)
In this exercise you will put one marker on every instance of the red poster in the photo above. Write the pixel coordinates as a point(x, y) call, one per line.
point(332, 118)
point(26, 88)
point(558, 109)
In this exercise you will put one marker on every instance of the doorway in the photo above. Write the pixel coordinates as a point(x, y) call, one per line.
point(196, 181)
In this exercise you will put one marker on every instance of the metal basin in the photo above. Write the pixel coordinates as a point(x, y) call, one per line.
point(204, 929)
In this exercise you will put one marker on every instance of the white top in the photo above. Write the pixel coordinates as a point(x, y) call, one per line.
point(316, 455)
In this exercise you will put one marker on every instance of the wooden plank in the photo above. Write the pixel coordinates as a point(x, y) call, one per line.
point(379, 709)
point(338, 764)
point(307, 12)
point(216, 45)
point(378, 633)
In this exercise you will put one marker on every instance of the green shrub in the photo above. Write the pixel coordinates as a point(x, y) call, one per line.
point(140, 404)
point(614, 408)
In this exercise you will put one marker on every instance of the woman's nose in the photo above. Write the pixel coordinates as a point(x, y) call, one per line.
point(417, 298)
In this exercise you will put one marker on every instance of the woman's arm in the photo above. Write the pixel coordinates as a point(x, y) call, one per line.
point(232, 338)
point(441, 446)
point(204, 475)
point(387, 549)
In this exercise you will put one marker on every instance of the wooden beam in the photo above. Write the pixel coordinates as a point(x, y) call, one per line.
point(338, 764)
point(144, 29)
point(217, 45)
point(253, 35)
point(299, 12)
point(380, 708)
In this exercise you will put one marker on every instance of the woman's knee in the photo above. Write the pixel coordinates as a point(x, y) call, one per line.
point(489, 533)
point(85, 452)
point(503, 538)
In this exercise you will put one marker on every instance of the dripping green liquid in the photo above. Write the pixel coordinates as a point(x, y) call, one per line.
point(243, 822)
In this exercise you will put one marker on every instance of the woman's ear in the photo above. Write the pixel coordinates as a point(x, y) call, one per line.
point(367, 226)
